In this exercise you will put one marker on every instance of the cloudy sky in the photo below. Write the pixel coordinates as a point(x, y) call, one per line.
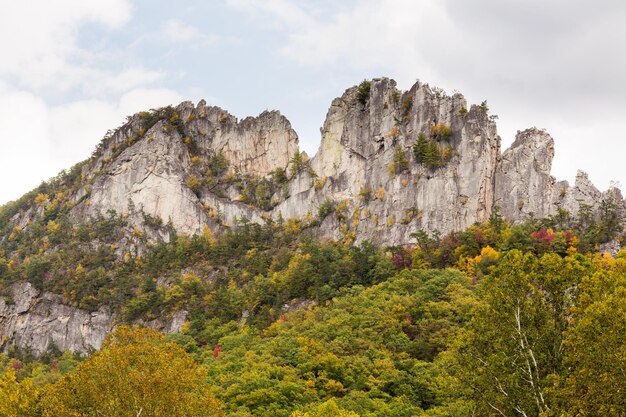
point(72, 69)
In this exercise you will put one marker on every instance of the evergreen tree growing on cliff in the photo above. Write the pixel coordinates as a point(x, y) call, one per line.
point(420, 148)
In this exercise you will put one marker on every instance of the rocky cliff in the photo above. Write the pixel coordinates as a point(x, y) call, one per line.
point(390, 163)
point(151, 172)
point(366, 168)
point(366, 161)
point(36, 321)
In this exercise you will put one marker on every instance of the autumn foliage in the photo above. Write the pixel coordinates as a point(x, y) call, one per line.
point(136, 373)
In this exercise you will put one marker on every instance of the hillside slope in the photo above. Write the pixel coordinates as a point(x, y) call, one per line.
point(391, 163)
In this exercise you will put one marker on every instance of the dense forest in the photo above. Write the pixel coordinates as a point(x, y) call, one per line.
point(497, 320)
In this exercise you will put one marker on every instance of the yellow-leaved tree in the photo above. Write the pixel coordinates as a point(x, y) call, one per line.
point(17, 399)
point(137, 373)
point(327, 409)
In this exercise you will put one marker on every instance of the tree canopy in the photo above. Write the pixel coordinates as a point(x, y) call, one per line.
point(136, 373)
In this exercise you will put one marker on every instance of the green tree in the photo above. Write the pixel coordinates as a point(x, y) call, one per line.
point(326, 208)
point(363, 92)
point(432, 157)
point(400, 162)
point(609, 224)
point(217, 164)
point(513, 349)
point(3, 266)
point(263, 194)
point(596, 353)
point(297, 162)
point(327, 409)
point(420, 148)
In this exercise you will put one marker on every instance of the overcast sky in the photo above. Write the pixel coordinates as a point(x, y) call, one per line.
point(72, 69)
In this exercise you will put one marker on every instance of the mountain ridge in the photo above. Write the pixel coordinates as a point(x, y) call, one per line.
point(358, 136)
point(362, 137)
point(390, 163)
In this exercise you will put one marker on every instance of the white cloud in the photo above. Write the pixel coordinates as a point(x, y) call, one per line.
point(176, 31)
point(41, 140)
point(100, 82)
point(372, 34)
point(558, 55)
point(286, 12)
point(76, 128)
point(41, 131)
point(22, 138)
point(38, 39)
point(147, 98)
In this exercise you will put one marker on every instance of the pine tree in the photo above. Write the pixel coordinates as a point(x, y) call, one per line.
point(432, 157)
point(420, 148)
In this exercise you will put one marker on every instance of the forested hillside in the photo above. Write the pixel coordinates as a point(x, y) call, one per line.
point(499, 319)
point(197, 265)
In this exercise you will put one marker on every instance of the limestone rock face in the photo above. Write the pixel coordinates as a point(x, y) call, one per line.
point(365, 167)
point(150, 175)
point(525, 188)
point(361, 141)
point(37, 321)
point(255, 146)
point(583, 192)
point(524, 185)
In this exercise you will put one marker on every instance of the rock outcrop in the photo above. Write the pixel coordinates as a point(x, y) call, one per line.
point(150, 175)
point(365, 167)
point(36, 322)
point(525, 188)
point(390, 163)
point(254, 146)
point(524, 185)
point(362, 144)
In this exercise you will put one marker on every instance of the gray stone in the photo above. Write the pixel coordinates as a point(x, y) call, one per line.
point(37, 322)
point(524, 186)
